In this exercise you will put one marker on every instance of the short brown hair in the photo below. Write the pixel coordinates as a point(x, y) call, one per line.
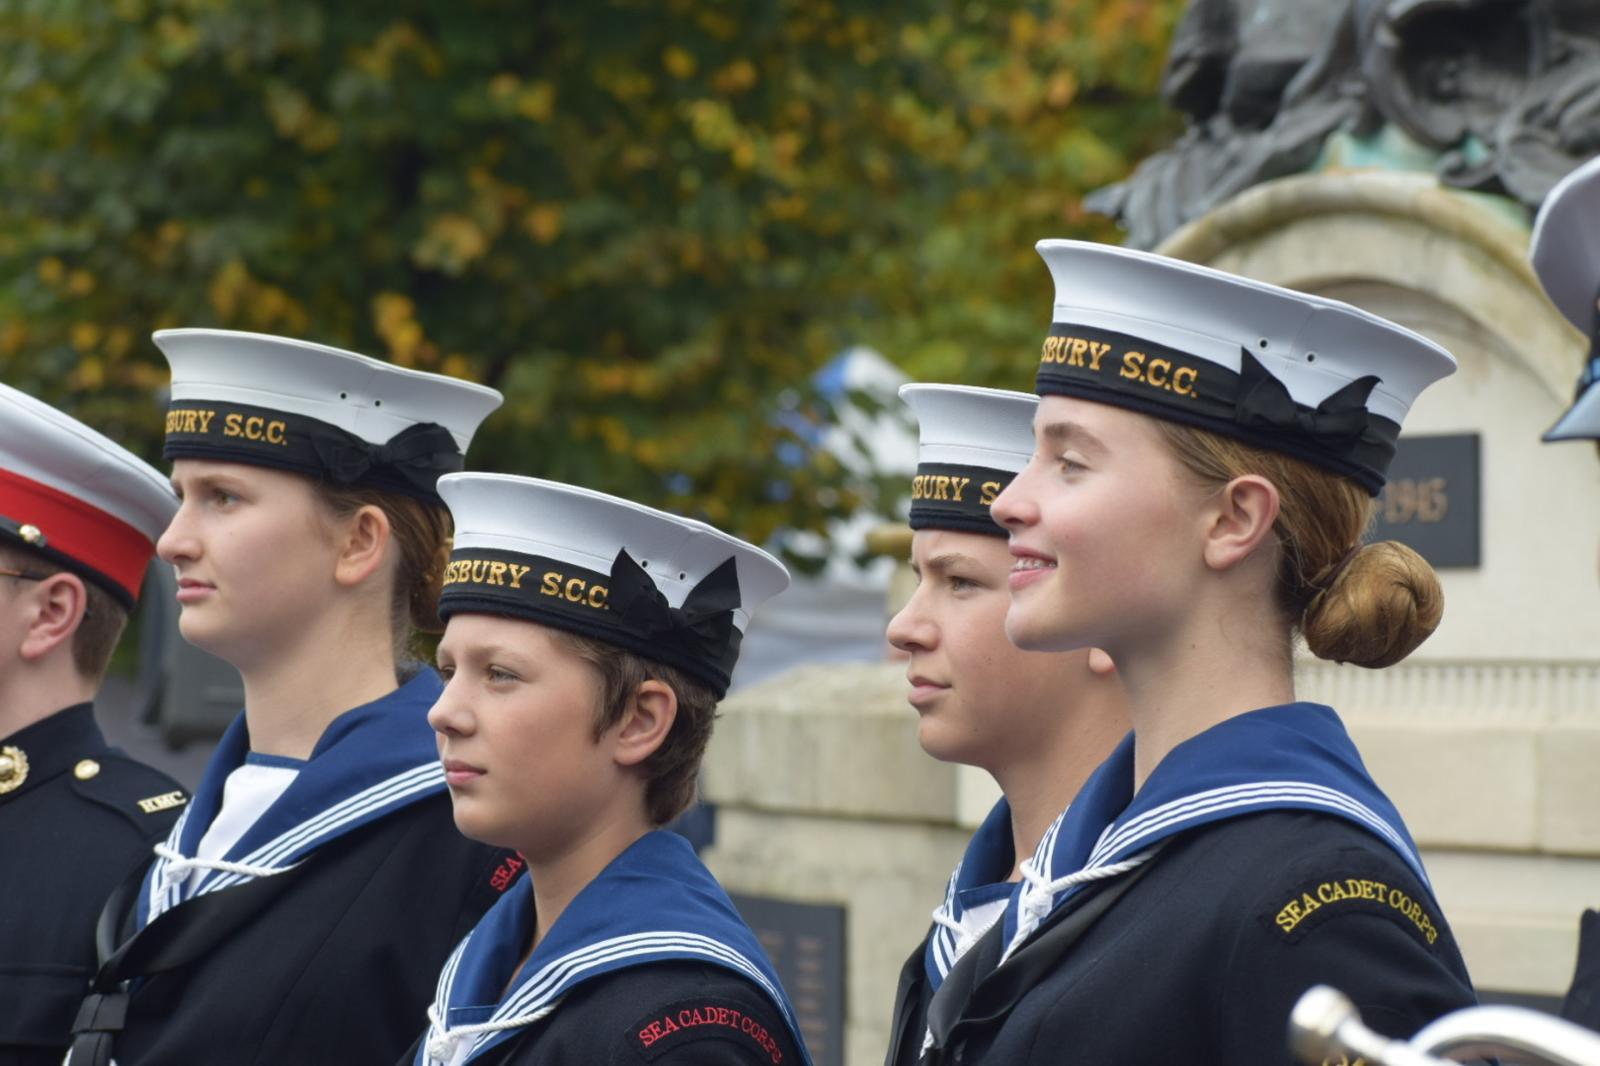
point(1365, 604)
point(103, 621)
point(422, 531)
point(673, 768)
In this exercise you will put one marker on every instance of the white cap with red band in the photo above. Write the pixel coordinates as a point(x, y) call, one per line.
point(77, 497)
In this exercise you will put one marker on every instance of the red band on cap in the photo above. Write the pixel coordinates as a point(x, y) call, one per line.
point(100, 541)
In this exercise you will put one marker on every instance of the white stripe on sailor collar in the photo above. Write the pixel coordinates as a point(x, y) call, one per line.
point(537, 996)
point(287, 849)
point(1121, 848)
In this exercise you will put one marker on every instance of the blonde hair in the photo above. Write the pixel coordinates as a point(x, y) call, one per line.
point(1370, 605)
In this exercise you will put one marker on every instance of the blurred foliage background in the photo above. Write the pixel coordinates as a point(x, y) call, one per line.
point(648, 222)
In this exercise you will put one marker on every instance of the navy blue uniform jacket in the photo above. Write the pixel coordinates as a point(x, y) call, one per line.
point(1201, 957)
point(78, 824)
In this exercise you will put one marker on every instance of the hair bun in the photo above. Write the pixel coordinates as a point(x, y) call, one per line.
point(1382, 603)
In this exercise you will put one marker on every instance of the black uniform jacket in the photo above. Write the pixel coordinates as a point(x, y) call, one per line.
point(1582, 1004)
point(80, 819)
point(332, 962)
point(909, 1020)
point(666, 1014)
point(1202, 952)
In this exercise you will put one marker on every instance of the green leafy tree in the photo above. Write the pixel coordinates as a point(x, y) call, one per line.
point(647, 221)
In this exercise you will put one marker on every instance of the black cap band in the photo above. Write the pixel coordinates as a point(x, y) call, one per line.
point(952, 496)
point(410, 463)
point(1108, 367)
point(624, 608)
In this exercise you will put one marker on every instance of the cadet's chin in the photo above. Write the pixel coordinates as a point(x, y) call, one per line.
point(943, 740)
point(1029, 626)
point(473, 824)
point(201, 631)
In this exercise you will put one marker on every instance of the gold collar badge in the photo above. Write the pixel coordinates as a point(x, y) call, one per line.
point(13, 768)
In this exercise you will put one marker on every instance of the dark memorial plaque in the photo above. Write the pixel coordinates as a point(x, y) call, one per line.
point(1432, 500)
point(806, 944)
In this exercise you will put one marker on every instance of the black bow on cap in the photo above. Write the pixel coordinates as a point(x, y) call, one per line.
point(417, 454)
point(702, 627)
point(1263, 402)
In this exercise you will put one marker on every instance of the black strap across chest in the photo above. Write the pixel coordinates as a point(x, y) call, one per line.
point(978, 992)
point(182, 935)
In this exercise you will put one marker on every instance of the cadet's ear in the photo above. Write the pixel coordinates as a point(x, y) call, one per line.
point(53, 609)
point(360, 539)
point(1242, 516)
point(646, 723)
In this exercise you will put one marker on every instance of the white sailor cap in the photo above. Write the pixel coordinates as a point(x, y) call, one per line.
point(315, 410)
point(1282, 370)
point(671, 589)
point(76, 498)
point(1565, 253)
point(971, 443)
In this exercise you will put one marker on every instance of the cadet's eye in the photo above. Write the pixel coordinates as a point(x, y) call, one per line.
point(446, 672)
point(961, 584)
point(497, 675)
point(1069, 465)
point(222, 497)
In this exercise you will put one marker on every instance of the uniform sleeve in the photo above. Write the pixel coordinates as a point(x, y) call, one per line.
point(725, 1022)
point(1354, 918)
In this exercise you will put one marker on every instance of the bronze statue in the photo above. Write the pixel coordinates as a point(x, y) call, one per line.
point(1500, 96)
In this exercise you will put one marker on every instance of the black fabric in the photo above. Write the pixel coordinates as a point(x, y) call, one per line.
point(623, 607)
point(1141, 375)
point(975, 994)
point(170, 942)
point(1582, 1004)
point(617, 1020)
point(337, 966)
point(68, 842)
point(956, 496)
point(909, 1018)
point(411, 462)
point(1202, 959)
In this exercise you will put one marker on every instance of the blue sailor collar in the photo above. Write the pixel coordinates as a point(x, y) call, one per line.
point(370, 761)
point(1293, 757)
point(978, 882)
point(655, 902)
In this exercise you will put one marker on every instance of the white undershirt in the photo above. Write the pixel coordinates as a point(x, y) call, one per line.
point(246, 795)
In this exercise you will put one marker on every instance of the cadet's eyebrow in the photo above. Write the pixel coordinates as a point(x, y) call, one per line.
point(948, 560)
point(1061, 434)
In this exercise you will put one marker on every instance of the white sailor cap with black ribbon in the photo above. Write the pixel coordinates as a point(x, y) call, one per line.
point(76, 498)
point(1303, 375)
point(1565, 252)
point(671, 589)
point(322, 412)
point(970, 443)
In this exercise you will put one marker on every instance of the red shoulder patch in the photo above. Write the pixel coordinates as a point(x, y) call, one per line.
point(506, 872)
point(690, 1020)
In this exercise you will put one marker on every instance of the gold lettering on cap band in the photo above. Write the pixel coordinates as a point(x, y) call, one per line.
point(200, 422)
point(1135, 366)
point(462, 574)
